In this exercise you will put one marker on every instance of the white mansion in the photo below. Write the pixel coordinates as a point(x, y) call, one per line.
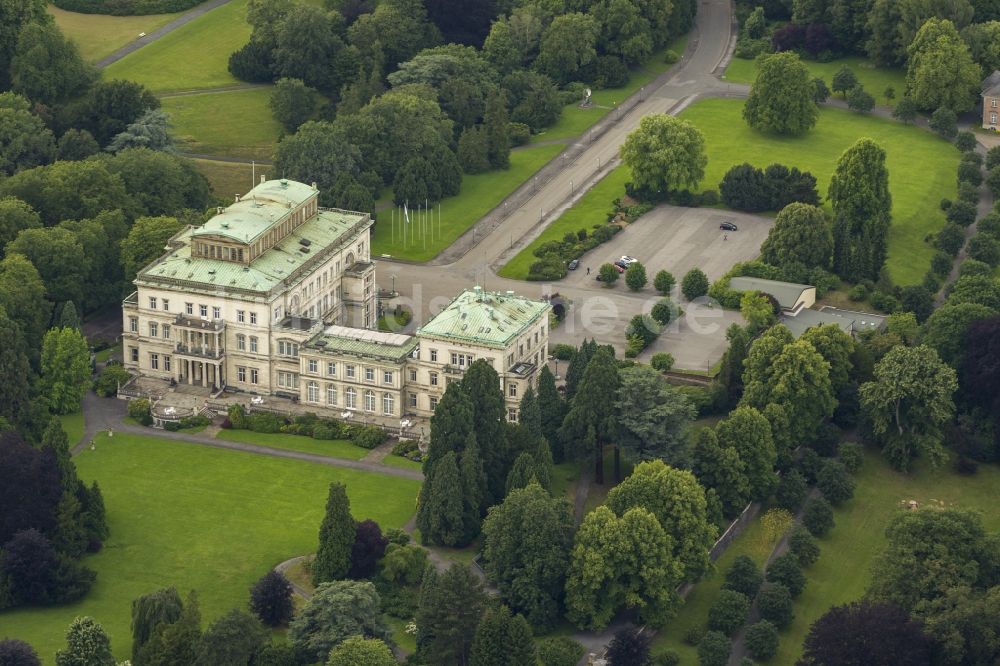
point(276, 296)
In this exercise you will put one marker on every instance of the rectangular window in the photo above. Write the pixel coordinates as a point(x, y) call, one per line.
point(331, 394)
point(216, 313)
point(350, 371)
point(241, 316)
point(241, 374)
point(313, 366)
point(253, 375)
point(154, 361)
point(166, 305)
point(189, 308)
point(153, 326)
point(512, 390)
point(369, 401)
point(241, 342)
point(993, 119)
point(133, 324)
point(166, 330)
point(369, 374)
point(511, 414)
point(331, 369)
point(350, 398)
point(203, 310)
point(152, 302)
point(253, 343)
point(387, 377)
point(413, 399)
point(388, 404)
point(253, 318)
point(434, 379)
point(166, 363)
point(312, 392)
point(413, 375)
point(434, 403)
point(993, 102)
point(277, 313)
point(510, 360)
point(134, 354)
point(434, 355)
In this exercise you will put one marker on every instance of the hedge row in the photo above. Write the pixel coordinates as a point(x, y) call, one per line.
point(125, 7)
point(307, 425)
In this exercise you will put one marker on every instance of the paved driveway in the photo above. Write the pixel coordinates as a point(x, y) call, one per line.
point(679, 239)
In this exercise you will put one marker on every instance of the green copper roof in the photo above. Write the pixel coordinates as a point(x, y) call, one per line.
point(363, 342)
point(257, 211)
point(483, 317)
point(324, 229)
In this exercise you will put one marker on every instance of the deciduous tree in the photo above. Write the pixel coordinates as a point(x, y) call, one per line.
point(87, 644)
point(801, 233)
point(234, 638)
point(782, 99)
point(334, 613)
point(859, 194)
point(940, 72)
point(653, 417)
point(360, 651)
point(665, 154)
point(866, 632)
point(271, 599)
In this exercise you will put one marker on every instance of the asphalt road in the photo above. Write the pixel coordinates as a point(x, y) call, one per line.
point(596, 312)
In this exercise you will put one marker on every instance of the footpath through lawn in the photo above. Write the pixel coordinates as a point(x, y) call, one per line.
point(199, 518)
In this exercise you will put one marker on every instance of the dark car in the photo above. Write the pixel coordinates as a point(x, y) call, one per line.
point(728, 226)
point(573, 265)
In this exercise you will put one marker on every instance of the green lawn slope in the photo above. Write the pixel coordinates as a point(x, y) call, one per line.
point(203, 519)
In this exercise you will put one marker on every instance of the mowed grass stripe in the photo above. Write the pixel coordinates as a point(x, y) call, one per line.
point(921, 167)
point(99, 35)
point(194, 56)
point(236, 123)
point(335, 448)
point(199, 518)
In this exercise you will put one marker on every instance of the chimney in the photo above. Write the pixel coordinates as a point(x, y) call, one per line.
point(314, 185)
point(237, 198)
point(263, 178)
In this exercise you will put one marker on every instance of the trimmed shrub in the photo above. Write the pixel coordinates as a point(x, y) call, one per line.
point(729, 612)
point(761, 640)
point(950, 239)
point(368, 437)
point(974, 267)
point(970, 173)
point(791, 491)
point(662, 361)
point(563, 352)
point(694, 284)
point(775, 605)
point(237, 416)
point(852, 455)
point(965, 141)
point(713, 649)
point(693, 635)
point(744, 576)
point(560, 651)
point(138, 409)
point(264, 422)
point(961, 213)
point(803, 546)
point(808, 464)
point(984, 248)
point(818, 516)
point(665, 658)
point(664, 311)
point(785, 570)
point(111, 377)
point(941, 263)
point(835, 482)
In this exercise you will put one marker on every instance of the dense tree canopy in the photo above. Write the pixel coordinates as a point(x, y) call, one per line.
point(801, 234)
point(665, 154)
point(653, 417)
point(866, 632)
point(940, 72)
point(782, 97)
point(862, 204)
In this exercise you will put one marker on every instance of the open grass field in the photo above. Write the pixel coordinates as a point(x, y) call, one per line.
point(226, 178)
point(334, 448)
point(591, 208)
point(874, 79)
point(480, 194)
point(199, 518)
point(236, 123)
point(921, 167)
point(99, 35)
point(193, 56)
point(755, 543)
point(574, 121)
point(843, 570)
point(401, 463)
point(72, 424)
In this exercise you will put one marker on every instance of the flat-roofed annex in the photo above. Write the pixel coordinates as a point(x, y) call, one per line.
point(266, 205)
point(486, 318)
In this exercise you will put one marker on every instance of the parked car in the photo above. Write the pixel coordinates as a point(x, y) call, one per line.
point(728, 226)
point(573, 265)
point(628, 260)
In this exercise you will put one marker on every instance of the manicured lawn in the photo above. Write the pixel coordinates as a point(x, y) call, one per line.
point(103, 355)
point(694, 612)
point(98, 35)
point(226, 178)
point(401, 462)
point(921, 167)
point(574, 120)
point(199, 518)
point(406, 642)
point(334, 448)
point(843, 571)
point(592, 208)
point(236, 123)
point(72, 424)
point(193, 56)
point(874, 79)
point(480, 194)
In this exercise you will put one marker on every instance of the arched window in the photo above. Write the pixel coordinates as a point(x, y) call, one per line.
point(350, 398)
point(369, 400)
point(350, 259)
point(312, 392)
point(295, 304)
point(388, 404)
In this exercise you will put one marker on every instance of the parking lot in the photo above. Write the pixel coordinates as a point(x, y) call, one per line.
point(679, 239)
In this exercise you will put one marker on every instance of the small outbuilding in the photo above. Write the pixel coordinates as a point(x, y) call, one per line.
point(792, 297)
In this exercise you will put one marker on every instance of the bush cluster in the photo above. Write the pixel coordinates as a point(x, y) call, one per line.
point(746, 187)
point(138, 409)
point(196, 421)
point(409, 449)
point(306, 425)
point(553, 256)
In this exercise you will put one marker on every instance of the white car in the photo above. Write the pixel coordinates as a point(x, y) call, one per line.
point(627, 260)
